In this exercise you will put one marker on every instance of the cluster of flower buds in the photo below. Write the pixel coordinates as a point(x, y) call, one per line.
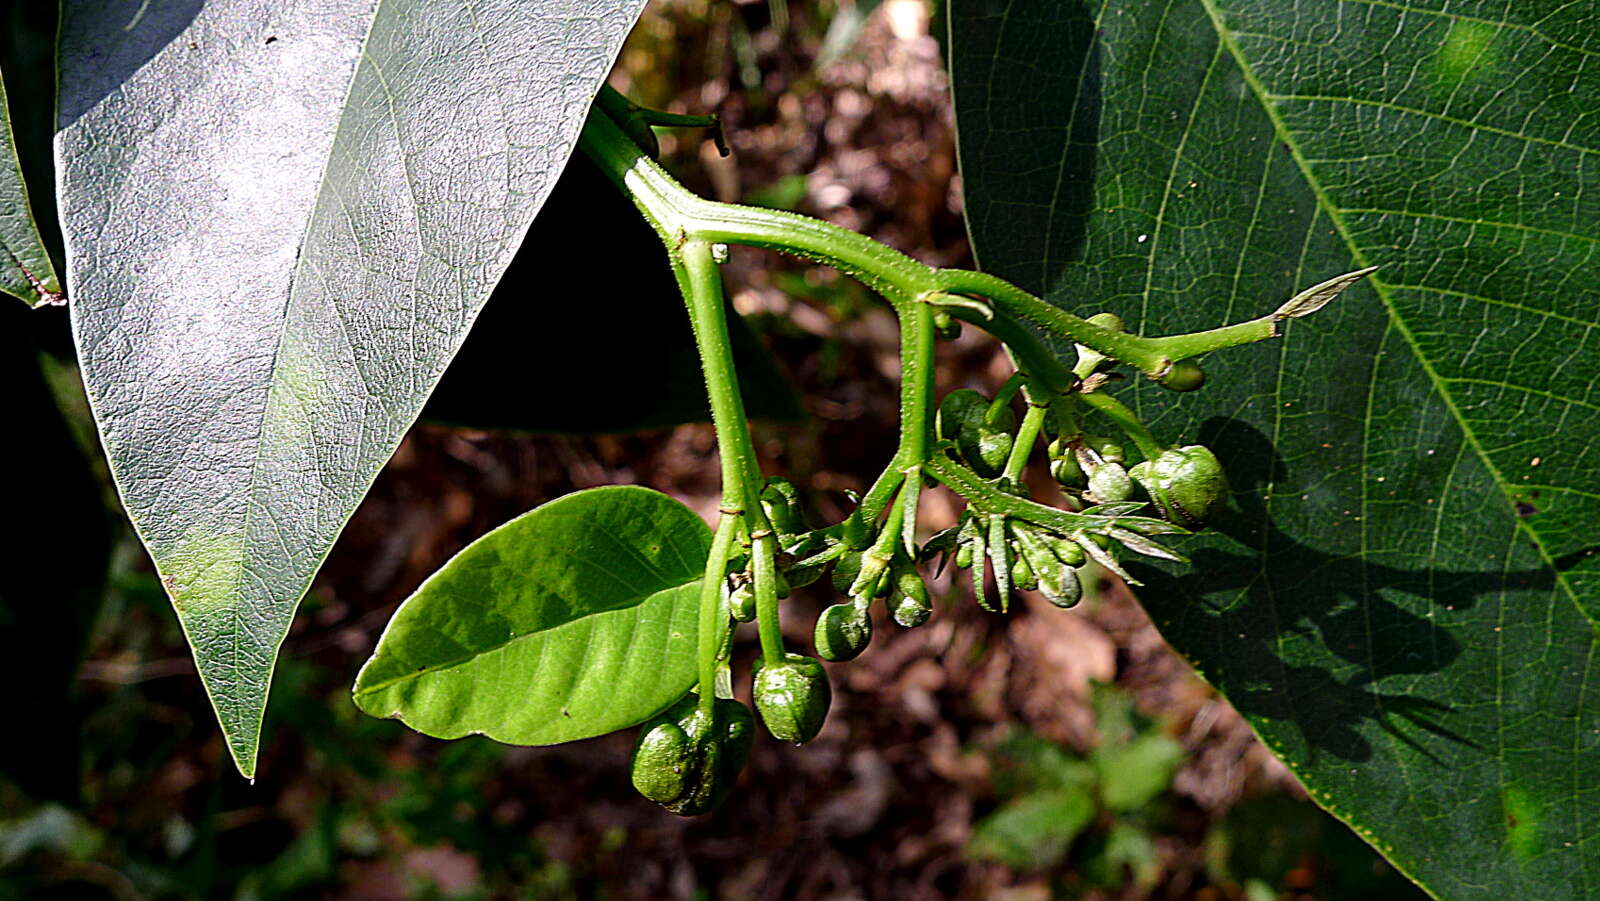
point(687, 757)
point(1024, 556)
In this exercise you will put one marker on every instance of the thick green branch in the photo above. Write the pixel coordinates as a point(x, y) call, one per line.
point(680, 216)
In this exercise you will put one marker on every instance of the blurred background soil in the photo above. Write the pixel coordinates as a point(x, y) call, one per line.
point(1032, 755)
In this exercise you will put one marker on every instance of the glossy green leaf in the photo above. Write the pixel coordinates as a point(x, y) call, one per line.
point(573, 620)
point(281, 220)
point(1404, 601)
point(25, 268)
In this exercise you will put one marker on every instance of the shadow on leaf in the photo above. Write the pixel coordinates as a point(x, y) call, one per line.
point(1251, 615)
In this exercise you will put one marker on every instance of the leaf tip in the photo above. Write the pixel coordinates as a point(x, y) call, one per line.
point(1318, 296)
point(243, 751)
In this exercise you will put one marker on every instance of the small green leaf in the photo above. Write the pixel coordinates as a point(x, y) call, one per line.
point(573, 620)
point(1134, 774)
point(1033, 831)
point(25, 269)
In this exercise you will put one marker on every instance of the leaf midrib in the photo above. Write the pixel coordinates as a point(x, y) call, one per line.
point(1336, 217)
point(459, 661)
point(239, 586)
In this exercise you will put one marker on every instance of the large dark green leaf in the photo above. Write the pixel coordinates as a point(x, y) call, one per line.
point(1404, 602)
point(573, 620)
point(281, 220)
point(25, 268)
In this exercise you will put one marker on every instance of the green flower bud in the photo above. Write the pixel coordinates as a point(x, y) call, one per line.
point(1089, 359)
point(792, 697)
point(738, 727)
point(1110, 483)
point(985, 449)
point(1064, 464)
point(782, 506)
point(742, 602)
point(688, 761)
point(1067, 472)
point(982, 432)
point(1022, 574)
point(1186, 483)
point(946, 327)
point(912, 612)
point(1056, 580)
point(661, 758)
point(843, 632)
point(1185, 375)
point(1108, 449)
point(1060, 585)
point(911, 605)
point(1109, 320)
point(959, 407)
point(1067, 551)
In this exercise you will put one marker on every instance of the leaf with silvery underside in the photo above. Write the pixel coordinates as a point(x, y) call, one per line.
point(282, 219)
point(573, 620)
point(1403, 599)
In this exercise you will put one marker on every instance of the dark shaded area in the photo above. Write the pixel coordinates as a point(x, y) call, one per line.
point(58, 525)
point(27, 60)
point(1341, 601)
point(598, 342)
point(115, 40)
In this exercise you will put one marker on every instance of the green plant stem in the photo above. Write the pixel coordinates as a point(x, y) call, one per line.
point(763, 558)
point(1002, 398)
point(700, 280)
point(882, 550)
point(679, 216)
point(1118, 413)
point(710, 609)
point(1152, 356)
point(986, 499)
point(883, 488)
point(917, 339)
point(701, 284)
point(1022, 447)
point(1037, 359)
